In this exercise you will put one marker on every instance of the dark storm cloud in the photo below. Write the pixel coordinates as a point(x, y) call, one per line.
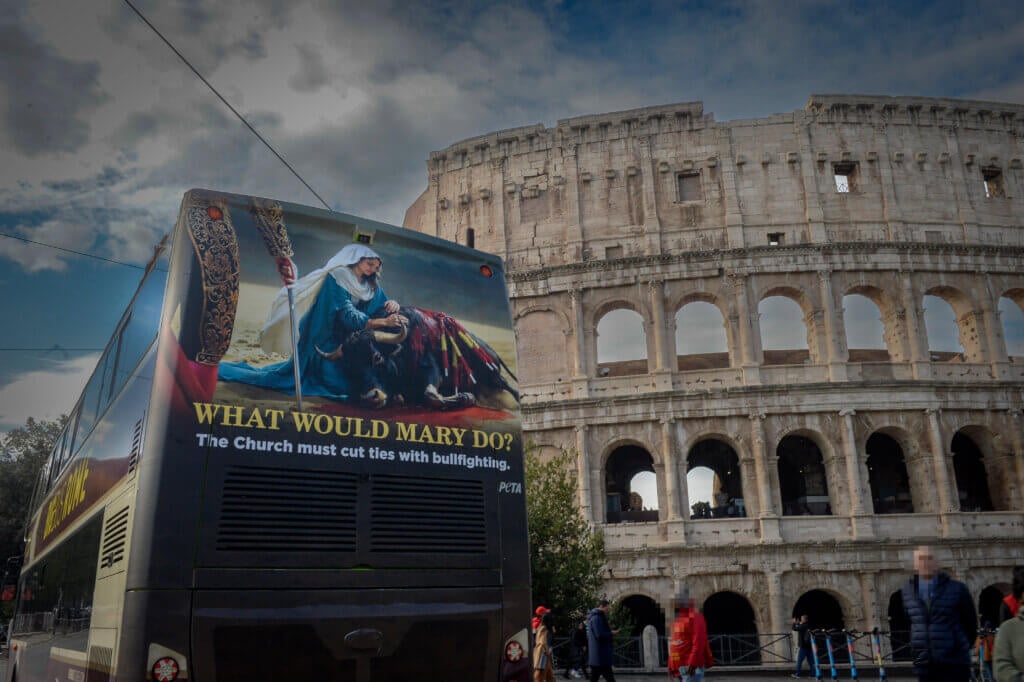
point(313, 72)
point(46, 98)
point(106, 178)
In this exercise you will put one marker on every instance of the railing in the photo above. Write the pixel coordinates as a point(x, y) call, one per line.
point(751, 650)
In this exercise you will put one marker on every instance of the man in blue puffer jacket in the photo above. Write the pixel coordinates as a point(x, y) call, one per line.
point(943, 622)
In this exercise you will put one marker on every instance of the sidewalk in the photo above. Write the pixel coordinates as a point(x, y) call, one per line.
point(867, 674)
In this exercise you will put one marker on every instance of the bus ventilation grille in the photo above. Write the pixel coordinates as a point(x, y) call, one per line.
point(133, 456)
point(412, 514)
point(115, 532)
point(287, 510)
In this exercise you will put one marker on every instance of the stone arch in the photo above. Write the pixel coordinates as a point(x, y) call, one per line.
point(732, 629)
point(727, 500)
point(1011, 316)
point(888, 475)
point(548, 331)
point(892, 330)
point(712, 349)
point(824, 609)
point(968, 327)
point(899, 627)
point(803, 475)
point(974, 472)
point(775, 350)
point(624, 350)
point(645, 611)
point(620, 465)
point(989, 600)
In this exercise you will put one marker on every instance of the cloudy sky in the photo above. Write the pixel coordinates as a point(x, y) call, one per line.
point(102, 128)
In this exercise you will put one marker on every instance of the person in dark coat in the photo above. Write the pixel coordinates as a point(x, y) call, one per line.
point(600, 643)
point(802, 628)
point(943, 622)
point(1011, 602)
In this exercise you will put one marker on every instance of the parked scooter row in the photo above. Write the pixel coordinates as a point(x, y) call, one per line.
point(830, 636)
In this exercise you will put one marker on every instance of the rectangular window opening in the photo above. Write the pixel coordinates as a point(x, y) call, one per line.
point(688, 186)
point(775, 238)
point(994, 187)
point(471, 238)
point(844, 175)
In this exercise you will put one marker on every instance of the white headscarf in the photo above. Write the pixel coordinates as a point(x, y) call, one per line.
point(275, 337)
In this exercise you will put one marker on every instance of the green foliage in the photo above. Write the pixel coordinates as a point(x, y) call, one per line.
point(566, 554)
point(23, 451)
point(621, 620)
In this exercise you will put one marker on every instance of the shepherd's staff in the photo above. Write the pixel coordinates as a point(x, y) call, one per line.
point(270, 221)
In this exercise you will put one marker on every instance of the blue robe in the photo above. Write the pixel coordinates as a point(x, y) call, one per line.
point(331, 318)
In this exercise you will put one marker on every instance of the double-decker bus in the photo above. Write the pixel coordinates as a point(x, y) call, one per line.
point(202, 519)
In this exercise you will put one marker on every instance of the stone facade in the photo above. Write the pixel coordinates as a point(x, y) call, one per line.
point(650, 210)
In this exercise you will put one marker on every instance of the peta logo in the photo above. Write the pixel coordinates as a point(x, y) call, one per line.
point(510, 487)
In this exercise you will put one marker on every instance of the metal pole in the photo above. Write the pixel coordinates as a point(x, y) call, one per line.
point(295, 335)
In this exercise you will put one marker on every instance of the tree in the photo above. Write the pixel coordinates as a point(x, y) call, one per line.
point(23, 451)
point(566, 554)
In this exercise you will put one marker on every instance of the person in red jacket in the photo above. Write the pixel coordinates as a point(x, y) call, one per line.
point(689, 653)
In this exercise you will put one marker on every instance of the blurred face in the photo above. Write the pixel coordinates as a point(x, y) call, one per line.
point(366, 267)
point(924, 562)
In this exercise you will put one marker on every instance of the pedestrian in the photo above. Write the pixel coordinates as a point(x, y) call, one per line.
point(538, 613)
point(543, 661)
point(576, 666)
point(1008, 657)
point(600, 643)
point(689, 652)
point(943, 622)
point(985, 642)
point(802, 627)
point(1009, 606)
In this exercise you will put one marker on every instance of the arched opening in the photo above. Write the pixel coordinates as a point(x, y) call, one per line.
point(643, 491)
point(783, 332)
point(887, 474)
point(644, 611)
point(988, 605)
point(621, 344)
point(726, 494)
point(802, 481)
point(1011, 314)
point(701, 341)
point(623, 465)
point(865, 332)
point(732, 629)
point(821, 608)
point(943, 332)
point(899, 628)
point(971, 478)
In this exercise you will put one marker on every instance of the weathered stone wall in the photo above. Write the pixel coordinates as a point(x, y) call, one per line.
point(655, 208)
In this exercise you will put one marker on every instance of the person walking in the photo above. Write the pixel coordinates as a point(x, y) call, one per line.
point(600, 643)
point(576, 666)
point(985, 643)
point(943, 622)
point(689, 652)
point(802, 627)
point(543, 661)
point(1008, 656)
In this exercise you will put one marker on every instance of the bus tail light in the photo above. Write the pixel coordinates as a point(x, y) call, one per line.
point(517, 647)
point(166, 665)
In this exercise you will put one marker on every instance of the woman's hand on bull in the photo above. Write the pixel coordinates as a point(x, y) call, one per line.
point(391, 307)
point(392, 320)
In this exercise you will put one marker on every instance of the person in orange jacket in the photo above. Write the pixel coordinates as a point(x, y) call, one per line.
point(689, 653)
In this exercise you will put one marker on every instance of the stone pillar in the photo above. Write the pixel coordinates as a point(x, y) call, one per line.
point(731, 170)
point(993, 326)
point(652, 224)
point(671, 468)
point(583, 472)
point(835, 338)
point(777, 610)
point(580, 379)
point(662, 367)
point(573, 214)
point(920, 361)
point(1016, 428)
point(873, 615)
point(861, 522)
point(812, 196)
point(681, 472)
point(749, 341)
point(766, 512)
point(650, 648)
point(948, 501)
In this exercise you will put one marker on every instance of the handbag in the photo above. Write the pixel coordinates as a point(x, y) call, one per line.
point(542, 662)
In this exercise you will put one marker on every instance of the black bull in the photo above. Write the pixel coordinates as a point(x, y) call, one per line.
point(435, 361)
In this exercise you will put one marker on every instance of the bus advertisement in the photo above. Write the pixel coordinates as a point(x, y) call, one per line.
point(300, 457)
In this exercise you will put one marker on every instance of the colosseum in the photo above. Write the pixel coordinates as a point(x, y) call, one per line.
point(829, 458)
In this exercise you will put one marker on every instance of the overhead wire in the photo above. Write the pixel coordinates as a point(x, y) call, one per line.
point(77, 253)
point(226, 103)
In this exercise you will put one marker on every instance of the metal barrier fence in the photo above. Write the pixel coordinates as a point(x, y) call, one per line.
point(748, 649)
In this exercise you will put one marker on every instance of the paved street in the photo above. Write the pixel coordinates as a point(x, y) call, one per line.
point(718, 675)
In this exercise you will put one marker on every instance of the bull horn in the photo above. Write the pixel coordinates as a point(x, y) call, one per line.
point(333, 355)
point(391, 337)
